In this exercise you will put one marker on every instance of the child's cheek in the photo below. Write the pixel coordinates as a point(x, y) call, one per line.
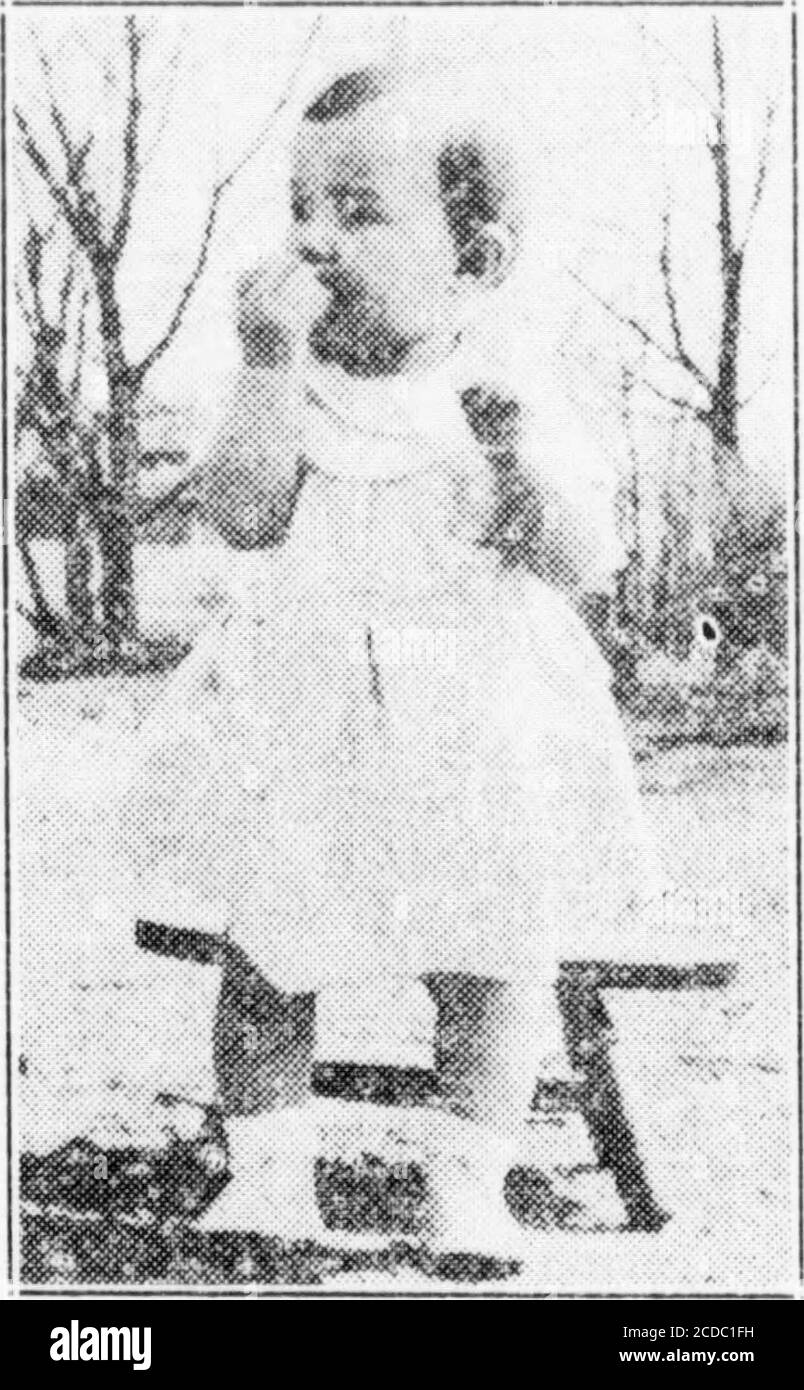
point(435, 259)
point(414, 272)
point(371, 258)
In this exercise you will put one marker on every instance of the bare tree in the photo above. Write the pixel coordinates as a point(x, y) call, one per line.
point(629, 511)
point(713, 397)
point(101, 234)
point(48, 409)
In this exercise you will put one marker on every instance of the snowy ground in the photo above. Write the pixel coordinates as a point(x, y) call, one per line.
point(707, 1076)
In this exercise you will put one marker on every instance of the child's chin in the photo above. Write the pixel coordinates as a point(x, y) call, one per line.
point(360, 346)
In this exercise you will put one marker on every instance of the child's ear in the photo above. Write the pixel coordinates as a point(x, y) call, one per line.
point(489, 255)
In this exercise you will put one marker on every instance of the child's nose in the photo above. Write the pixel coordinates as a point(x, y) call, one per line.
point(315, 242)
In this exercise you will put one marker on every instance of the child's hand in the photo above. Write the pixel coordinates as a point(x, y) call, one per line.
point(265, 335)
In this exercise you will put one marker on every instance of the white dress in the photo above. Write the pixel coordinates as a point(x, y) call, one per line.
point(391, 755)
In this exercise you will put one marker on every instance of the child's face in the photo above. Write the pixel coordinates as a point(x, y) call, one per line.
point(369, 219)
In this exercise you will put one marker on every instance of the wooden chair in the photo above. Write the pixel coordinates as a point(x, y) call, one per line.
point(588, 1034)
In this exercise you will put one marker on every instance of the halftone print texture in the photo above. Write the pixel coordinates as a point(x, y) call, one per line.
point(402, 549)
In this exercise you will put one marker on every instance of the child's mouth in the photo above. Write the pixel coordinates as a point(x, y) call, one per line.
point(354, 330)
point(343, 287)
point(355, 335)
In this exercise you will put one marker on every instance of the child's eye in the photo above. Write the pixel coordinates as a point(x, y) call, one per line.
point(301, 207)
point(356, 211)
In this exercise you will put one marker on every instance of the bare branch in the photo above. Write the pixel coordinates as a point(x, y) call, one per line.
point(680, 402)
point(29, 617)
point(40, 163)
point(141, 370)
point(672, 309)
point(632, 323)
point(166, 101)
point(762, 172)
point(22, 306)
point(43, 618)
point(699, 91)
point(131, 133)
point(283, 101)
point(78, 365)
point(60, 127)
point(719, 151)
point(65, 292)
point(75, 155)
point(748, 399)
point(32, 252)
point(110, 77)
point(147, 510)
point(720, 76)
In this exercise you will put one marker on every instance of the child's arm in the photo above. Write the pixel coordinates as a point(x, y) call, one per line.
point(578, 482)
point(551, 512)
point(247, 486)
point(576, 547)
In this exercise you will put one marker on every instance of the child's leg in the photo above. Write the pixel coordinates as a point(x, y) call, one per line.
point(263, 1042)
point(263, 1051)
point(492, 1037)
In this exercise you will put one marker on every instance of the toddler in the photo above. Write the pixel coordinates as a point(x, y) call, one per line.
point(397, 754)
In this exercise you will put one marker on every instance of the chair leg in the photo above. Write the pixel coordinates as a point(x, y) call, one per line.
point(585, 1025)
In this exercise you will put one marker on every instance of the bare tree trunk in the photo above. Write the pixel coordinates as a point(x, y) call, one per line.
point(45, 619)
point(635, 560)
point(118, 604)
point(116, 537)
point(78, 573)
point(725, 404)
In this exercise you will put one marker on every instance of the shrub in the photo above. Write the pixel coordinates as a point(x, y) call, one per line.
point(688, 701)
